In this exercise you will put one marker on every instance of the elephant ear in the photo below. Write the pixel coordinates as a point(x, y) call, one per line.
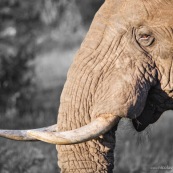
point(147, 117)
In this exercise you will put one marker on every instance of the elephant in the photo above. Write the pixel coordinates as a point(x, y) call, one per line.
point(123, 69)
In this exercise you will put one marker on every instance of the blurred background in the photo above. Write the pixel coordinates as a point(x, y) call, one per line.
point(38, 40)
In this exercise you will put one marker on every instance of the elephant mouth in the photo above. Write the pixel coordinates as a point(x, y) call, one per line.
point(146, 118)
point(158, 101)
point(139, 125)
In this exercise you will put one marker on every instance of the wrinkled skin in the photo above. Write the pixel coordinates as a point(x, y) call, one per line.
point(125, 68)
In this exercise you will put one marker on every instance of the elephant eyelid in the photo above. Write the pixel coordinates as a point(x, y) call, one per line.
point(145, 36)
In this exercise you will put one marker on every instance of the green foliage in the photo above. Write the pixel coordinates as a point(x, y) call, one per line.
point(88, 9)
point(21, 23)
point(15, 77)
point(28, 158)
point(17, 49)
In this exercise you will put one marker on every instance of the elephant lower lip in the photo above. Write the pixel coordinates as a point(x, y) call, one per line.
point(139, 127)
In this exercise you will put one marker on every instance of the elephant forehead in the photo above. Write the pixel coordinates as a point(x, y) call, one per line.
point(161, 13)
point(139, 12)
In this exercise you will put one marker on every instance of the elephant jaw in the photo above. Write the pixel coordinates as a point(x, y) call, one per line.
point(93, 130)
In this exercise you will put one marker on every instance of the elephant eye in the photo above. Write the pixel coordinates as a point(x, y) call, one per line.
point(144, 36)
point(145, 40)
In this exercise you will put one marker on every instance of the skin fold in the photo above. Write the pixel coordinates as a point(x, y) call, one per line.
point(124, 69)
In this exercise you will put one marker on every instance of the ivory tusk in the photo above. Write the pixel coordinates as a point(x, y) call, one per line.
point(22, 135)
point(93, 130)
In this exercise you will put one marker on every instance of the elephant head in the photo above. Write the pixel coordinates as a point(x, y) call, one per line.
point(123, 69)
